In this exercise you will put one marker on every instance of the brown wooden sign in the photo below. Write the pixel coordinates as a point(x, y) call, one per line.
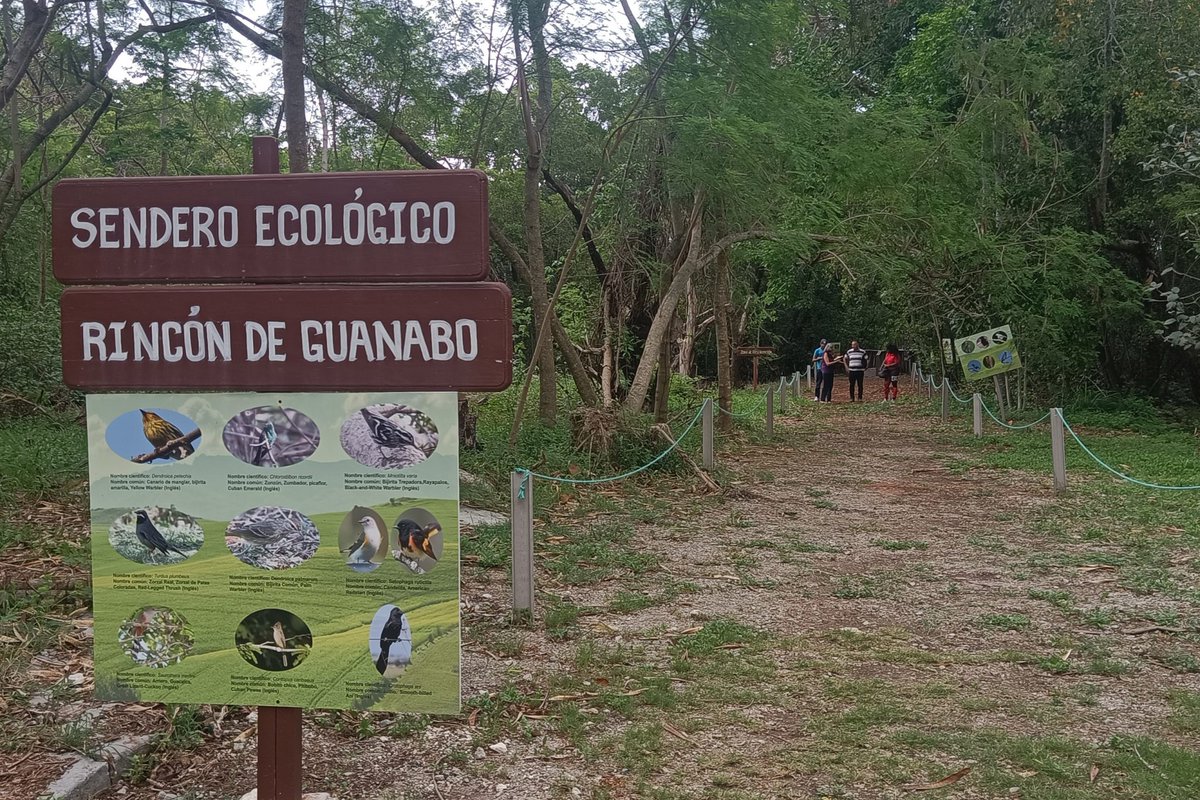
point(428, 225)
point(755, 351)
point(415, 337)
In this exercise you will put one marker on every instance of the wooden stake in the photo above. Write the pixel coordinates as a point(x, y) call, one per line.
point(945, 398)
point(521, 497)
point(977, 413)
point(770, 411)
point(708, 434)
point(782, 399)
point(1058, 448)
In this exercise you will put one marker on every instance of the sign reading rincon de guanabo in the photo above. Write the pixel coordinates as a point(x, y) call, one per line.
point(424, 337)
point(375, 226)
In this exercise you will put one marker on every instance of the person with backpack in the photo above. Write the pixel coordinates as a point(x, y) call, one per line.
point(856, 368)
point(889, 370)
point(817, 359)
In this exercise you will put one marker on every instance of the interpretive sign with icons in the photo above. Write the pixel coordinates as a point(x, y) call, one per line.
point(276, 549)
point(988, 353)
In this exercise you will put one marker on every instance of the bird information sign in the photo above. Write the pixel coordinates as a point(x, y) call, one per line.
point(988, 353)
point(414, 225)
point(276, 549)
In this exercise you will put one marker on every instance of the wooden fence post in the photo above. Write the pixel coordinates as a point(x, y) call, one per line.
point(1058, 447)
point(521, 494)
point(782, 399)
point(945, 398)
point(708, 434)
point(977, 413)
point(808, 375)
point(770, 411)
point(796, 385)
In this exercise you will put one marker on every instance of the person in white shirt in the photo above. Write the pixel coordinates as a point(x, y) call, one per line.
point(856, 368)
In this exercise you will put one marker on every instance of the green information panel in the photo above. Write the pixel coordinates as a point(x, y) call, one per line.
point(265, 549)
point(988, 353)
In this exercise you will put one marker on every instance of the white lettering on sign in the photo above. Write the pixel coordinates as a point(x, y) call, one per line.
point(353, 340)
point(286, 225)
point(157, 341)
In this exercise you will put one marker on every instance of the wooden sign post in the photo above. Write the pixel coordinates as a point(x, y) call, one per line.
point(309, 282)
point(754, 353)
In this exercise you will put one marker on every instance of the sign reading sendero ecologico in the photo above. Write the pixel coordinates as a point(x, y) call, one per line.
point(276, 549)
point(373, 226)
point(988, 353)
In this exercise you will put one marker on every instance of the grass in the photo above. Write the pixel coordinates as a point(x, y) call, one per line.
point(1006, 622)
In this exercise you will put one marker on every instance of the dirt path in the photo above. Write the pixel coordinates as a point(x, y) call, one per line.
point(863, 608)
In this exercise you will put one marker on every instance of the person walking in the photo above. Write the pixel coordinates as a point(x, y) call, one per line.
point(828, 362)
point(856, 368)
point(817, 356)
point(890, 372)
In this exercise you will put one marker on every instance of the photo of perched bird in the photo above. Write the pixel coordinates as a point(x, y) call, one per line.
point(414, 541)
point(272, 537)
point(156, 535)
point(261, 532)
point(271, 436)
point(368, 543)
point(273, 639)
point(386, 433)
point(395, 641)
point(280, 639)
point(156, 637)
point(151, 538)
point(159, 432)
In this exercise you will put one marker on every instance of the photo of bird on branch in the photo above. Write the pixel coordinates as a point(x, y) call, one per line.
point(155, 535)
point(389, 436)
point(271, 436)
point(153, 436)
point(417, 540)
point(272, 537)
point(156, 637)
point(273, 639)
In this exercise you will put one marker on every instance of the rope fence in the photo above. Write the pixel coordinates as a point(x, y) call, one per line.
point(522, 478)
point(1058, 427)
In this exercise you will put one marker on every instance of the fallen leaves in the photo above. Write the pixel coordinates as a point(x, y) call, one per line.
point(949, 780)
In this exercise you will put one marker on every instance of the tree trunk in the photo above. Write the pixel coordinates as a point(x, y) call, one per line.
point(721, 309)
point(292, 66)
point(608, 353)
point(662, 386)
point(687, 342)
point(660, 325)
point(535, 257)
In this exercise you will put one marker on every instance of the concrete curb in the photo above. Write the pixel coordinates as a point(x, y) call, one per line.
point(88, 777)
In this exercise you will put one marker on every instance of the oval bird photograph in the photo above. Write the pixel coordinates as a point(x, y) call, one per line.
point(390, 641)
point(156, 535)
point(273, 639)
point(417, 540)
point(389, 436)
point(153, 436)
point(272, 537)
point(271, 436)
point(363, 540)
point(156, 636)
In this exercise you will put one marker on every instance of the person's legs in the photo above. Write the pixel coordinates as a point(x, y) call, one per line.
point(895, 387)
point(856, 379)
point(827, 388)
point(817, 375)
